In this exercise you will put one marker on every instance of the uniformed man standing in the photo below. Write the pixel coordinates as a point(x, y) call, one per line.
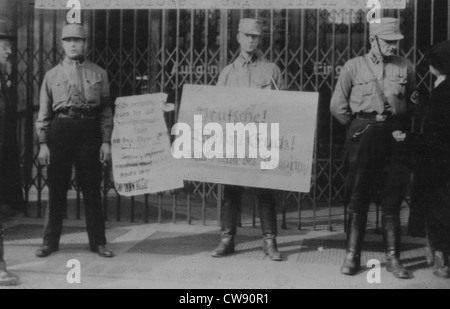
point(74, 127)
point(252, 71)
point(371, 99)
point(9, 165)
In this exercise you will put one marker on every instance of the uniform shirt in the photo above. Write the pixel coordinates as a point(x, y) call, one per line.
point(254, 72)
point(356, 90)
point(74, 85)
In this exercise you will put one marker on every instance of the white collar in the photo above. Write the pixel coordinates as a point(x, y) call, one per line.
point(439, 80)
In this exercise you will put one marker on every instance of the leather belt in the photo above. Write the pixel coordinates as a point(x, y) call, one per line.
point(372, 117)
point(76, 114)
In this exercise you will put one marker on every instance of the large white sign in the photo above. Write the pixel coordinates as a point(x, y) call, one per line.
point(247, 137)
point(218, 4)
point(141, 157)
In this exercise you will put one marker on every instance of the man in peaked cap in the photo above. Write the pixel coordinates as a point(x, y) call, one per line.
point(74, 128)
point(371, 98)
point(75, 31)
point(249, 70)
point(388, 29)
point(9, 165)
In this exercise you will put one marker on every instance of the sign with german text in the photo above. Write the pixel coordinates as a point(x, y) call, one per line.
point(142, 162)
point(247, 137)
point(217, 4)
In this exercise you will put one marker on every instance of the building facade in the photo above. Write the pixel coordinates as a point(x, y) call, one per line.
point(161, 49)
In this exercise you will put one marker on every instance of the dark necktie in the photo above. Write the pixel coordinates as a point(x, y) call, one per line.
point(76, 83)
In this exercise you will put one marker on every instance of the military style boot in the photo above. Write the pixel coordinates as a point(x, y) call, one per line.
point(230, 214)
point(268, 217)
point(441, 263)
point(392, 235)
point(355, 237)
point(6, 278)
point(431, 247)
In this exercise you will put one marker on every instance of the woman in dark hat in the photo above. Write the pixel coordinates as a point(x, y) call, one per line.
point(431, 195)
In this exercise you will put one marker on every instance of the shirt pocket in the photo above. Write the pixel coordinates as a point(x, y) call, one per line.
point(364, 87)
point(93, 88)
point(60, 90)
point(261, 81)
point(395, 86)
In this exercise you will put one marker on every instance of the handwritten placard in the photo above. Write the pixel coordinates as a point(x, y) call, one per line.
point(295, 112)
point(142, 161)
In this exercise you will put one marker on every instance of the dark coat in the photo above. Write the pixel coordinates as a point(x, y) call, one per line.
point(10, 185)
point(431, 149)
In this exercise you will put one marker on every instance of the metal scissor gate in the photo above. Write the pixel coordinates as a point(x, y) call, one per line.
point(160, 50)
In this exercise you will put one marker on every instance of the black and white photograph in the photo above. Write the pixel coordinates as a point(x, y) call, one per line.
point(224, 150)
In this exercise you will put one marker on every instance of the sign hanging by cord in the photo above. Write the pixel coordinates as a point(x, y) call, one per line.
point(216, 4)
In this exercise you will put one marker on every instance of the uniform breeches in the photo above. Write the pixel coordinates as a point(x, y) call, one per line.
point(75, 142)
point(374, 169)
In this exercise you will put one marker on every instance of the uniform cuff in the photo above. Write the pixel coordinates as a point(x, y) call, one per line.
point(106, 138)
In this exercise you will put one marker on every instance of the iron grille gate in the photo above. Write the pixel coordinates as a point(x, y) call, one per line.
point(161, 50)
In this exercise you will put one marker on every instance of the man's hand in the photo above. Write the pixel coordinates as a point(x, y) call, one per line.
point(168, 107)
point(415, 97)
point(44, 155)
point(105, 153)
point(399, 136)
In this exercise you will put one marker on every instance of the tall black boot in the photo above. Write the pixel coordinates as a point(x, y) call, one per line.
point(268, 217)
point(6, 278)
point(230, 212)
point(355, 237)
point(392, 236)
point(437, 241)
point(431, 246)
